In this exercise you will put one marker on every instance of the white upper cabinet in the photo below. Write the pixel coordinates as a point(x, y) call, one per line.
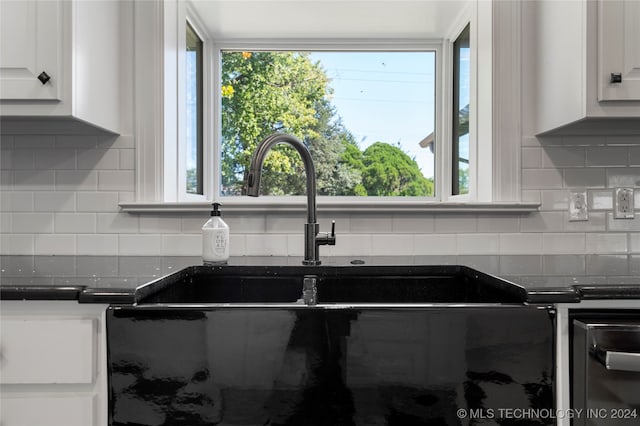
point(30, 46)
point(573, 48)
point(60, 59)
point(619, 50)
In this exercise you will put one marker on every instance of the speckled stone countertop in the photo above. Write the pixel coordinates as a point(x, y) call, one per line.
point(126, 279)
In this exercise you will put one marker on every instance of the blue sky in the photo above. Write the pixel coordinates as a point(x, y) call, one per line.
point(385, 96)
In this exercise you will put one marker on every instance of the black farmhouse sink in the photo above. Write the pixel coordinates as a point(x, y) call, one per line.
point(335, 285)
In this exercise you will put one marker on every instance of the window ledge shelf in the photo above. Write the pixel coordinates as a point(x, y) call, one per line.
point(263, 205)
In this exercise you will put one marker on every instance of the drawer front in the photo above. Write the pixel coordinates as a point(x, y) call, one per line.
point(47, 351)
point(77, 410)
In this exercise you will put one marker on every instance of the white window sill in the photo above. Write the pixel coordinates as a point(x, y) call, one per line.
point(298, 204)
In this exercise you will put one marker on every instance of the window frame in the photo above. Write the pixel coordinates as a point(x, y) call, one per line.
point(404, 45)
point(498, 38)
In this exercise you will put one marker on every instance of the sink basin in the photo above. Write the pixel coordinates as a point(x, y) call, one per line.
point(335, 285)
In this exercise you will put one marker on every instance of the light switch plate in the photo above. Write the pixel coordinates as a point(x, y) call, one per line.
point(623, 207)
point(578, 210)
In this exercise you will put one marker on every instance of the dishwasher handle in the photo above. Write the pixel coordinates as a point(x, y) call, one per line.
point(618, 361)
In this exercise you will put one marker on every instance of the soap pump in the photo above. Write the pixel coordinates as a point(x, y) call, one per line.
point(215, 238)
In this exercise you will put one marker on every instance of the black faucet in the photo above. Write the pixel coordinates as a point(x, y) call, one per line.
point(313, 239)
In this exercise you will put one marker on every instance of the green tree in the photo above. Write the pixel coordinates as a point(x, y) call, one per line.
point(389, 171)
point(262, 93)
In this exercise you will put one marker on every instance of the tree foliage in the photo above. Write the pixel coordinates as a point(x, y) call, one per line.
point(388, 171)
point(267, 92)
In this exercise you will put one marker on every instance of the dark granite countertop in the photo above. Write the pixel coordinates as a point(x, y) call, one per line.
point(127, 279)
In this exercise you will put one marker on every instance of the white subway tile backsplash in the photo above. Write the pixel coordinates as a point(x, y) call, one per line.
point(541, 179)
point(623, 225)
point(435, 244)
point(71, 186)
point(412, 224)
point(139, 245)
point(237, 224)
point(601, 200)
point(520, 265)
point(623, 177)
point(445, 223)
point(33, 141)
point(76, 141)
point(34, 223)
point(16, 243)
point(351, 245)
point(478, 244)
point(607, 156)
point(542, 222)
point(285, 224)
point(598, 264)
point(98, 159)
point(5, 222)
point(237, 245)
point(498, 223)
point(585, 178)
point(564, 264)
point(555, 200)
point(531, 158)
point(271, 244)
point(369, 224)
point(33, 180)
point(563, 156)
point(597, 223)
point(55, 201)
point(97, 201)
point(606, 243)
point(563, 243)
point(634, 156)
point(18, 159)
point(74, 223)
point(16, 201)
point(120, 180)
point(127, 159)
point(189, 245)
point(159, 224)
point(392, 245)
point(97, 244)
point(522, 243)
point(54, 244)
point(116, 223)
point(634, 242)
point(55, 159)
point(76, 180)
point(6, 180)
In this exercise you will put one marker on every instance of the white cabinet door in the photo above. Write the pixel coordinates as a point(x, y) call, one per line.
point(619, 49)
point(37, 351)
point(30, 43)
point(48, 410)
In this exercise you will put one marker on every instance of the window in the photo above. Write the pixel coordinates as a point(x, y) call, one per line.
point(494, 42)
point(193, 112)
point(460, 146)
point(362, 114)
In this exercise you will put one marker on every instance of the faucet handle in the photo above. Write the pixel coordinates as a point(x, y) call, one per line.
point(325, 238)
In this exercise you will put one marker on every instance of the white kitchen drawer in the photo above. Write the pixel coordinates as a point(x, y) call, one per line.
point(30, 410)
point(47, 351)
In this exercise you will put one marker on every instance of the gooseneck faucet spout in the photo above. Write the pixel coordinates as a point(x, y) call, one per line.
point(313, 239)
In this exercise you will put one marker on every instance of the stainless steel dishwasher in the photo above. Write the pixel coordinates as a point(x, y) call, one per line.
point(606, 371)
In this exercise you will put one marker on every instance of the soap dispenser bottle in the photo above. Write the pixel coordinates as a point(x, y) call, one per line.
point(215, 238)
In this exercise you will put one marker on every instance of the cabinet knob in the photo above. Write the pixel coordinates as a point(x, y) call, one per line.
point(44, 77)
point(616, 78)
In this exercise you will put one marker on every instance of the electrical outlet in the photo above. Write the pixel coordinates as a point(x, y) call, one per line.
point(623, 204)
point(578, 206)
